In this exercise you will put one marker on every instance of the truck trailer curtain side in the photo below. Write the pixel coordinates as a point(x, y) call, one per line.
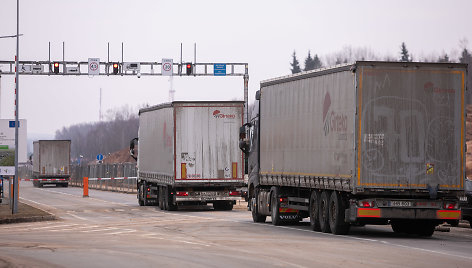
point(364, 143)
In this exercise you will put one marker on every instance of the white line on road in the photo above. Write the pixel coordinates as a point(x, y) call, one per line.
point(76, 228)
point(77, 217)
point(328, 234)
point(53, 226)
point(123, 232)
point(41, 204)
point(99, 230)
point(90, 198)
point(151, 235)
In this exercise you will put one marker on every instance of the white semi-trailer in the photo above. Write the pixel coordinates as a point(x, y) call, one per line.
point(365, 143)
point(188, 154)
point(51, 162)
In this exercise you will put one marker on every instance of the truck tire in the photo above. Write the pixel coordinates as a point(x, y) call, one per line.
point(223, 205)
point(275, 205)
point(336, 215)
point(324, 212)
point(424, 228)
point(140, 194)
point(169, 200)
point(256, 217)
point(399, 226)
point(161, 198)
point(314, 213)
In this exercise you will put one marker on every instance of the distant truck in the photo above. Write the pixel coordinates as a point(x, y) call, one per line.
point(364, 143)
point(51, 162)
point(188, 154)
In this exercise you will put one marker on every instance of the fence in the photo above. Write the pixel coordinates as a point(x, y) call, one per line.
point(121, 177)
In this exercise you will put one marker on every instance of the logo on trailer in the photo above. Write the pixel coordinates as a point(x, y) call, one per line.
point(332, 121)
point(430, 87)
point(218, 114)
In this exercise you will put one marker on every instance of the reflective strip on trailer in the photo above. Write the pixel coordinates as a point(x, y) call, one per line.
point(449, 214)
point(288, 210)
point(368, 212)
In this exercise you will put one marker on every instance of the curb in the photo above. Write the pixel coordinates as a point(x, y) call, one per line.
point(28, 219)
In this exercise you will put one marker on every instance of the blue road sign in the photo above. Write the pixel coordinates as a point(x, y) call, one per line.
point(12, 124)
point(219, 69)
point(99, 157)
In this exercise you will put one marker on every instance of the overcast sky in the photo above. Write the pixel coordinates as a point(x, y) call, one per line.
point(261, 33)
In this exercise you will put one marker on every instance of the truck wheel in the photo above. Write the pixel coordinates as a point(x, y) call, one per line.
point(398, 226)
point(275, 205)
point(314, 214)
point(336, 214)
point(324, 212)
point(140, 195)
point(169, 205)
point(223, 205)
point(256, 217)
point(161, 198)
point(424, 228)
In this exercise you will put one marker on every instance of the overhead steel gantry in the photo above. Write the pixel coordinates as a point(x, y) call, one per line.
point(94, 67)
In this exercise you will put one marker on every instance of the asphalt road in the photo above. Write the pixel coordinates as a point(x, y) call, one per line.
point(110, 230)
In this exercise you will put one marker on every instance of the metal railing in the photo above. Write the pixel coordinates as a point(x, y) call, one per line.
point(123, 171)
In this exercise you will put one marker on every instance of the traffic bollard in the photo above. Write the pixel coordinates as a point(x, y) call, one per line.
point(86, 187)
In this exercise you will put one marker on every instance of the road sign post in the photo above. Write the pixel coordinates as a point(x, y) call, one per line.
point(93, 66)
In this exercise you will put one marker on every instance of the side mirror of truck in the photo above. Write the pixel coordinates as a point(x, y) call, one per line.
point(131, 148)
point(258, 95)
point(243, 142)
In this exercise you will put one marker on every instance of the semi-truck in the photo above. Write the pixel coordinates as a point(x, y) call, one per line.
point(361, 143)
point(188, 154)
point(51, 162)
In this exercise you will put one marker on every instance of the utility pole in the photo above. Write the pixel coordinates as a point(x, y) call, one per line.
point(17, 58)
point(100, 111)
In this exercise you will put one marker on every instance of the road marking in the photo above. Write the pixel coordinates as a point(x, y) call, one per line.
point(54, 226)
point(77, 217)
point(332, 235)
point(99, 230)
point(75, 228)
point(91, 198)
point(41, 204)
point(125, 231)
point(174, 239)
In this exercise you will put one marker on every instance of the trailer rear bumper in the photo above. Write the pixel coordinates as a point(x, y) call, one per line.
point(207, 196)
point(419, 209)
point(205, 199)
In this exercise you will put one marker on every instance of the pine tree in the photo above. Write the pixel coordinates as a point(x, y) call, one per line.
point(317, 62)
point(295, 64)
point(309, 64)
point(404, 53)
point(465, 56)
point(444, 59)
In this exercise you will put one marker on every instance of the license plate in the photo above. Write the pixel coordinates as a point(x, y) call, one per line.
point(401, 203)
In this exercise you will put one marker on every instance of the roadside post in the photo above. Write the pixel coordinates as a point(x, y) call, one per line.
point(86, 187)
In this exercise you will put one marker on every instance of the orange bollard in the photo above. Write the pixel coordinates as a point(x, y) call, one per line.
point(86, 187)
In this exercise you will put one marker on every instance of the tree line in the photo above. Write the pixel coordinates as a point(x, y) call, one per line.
point(104, 137)
point(350, 54)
